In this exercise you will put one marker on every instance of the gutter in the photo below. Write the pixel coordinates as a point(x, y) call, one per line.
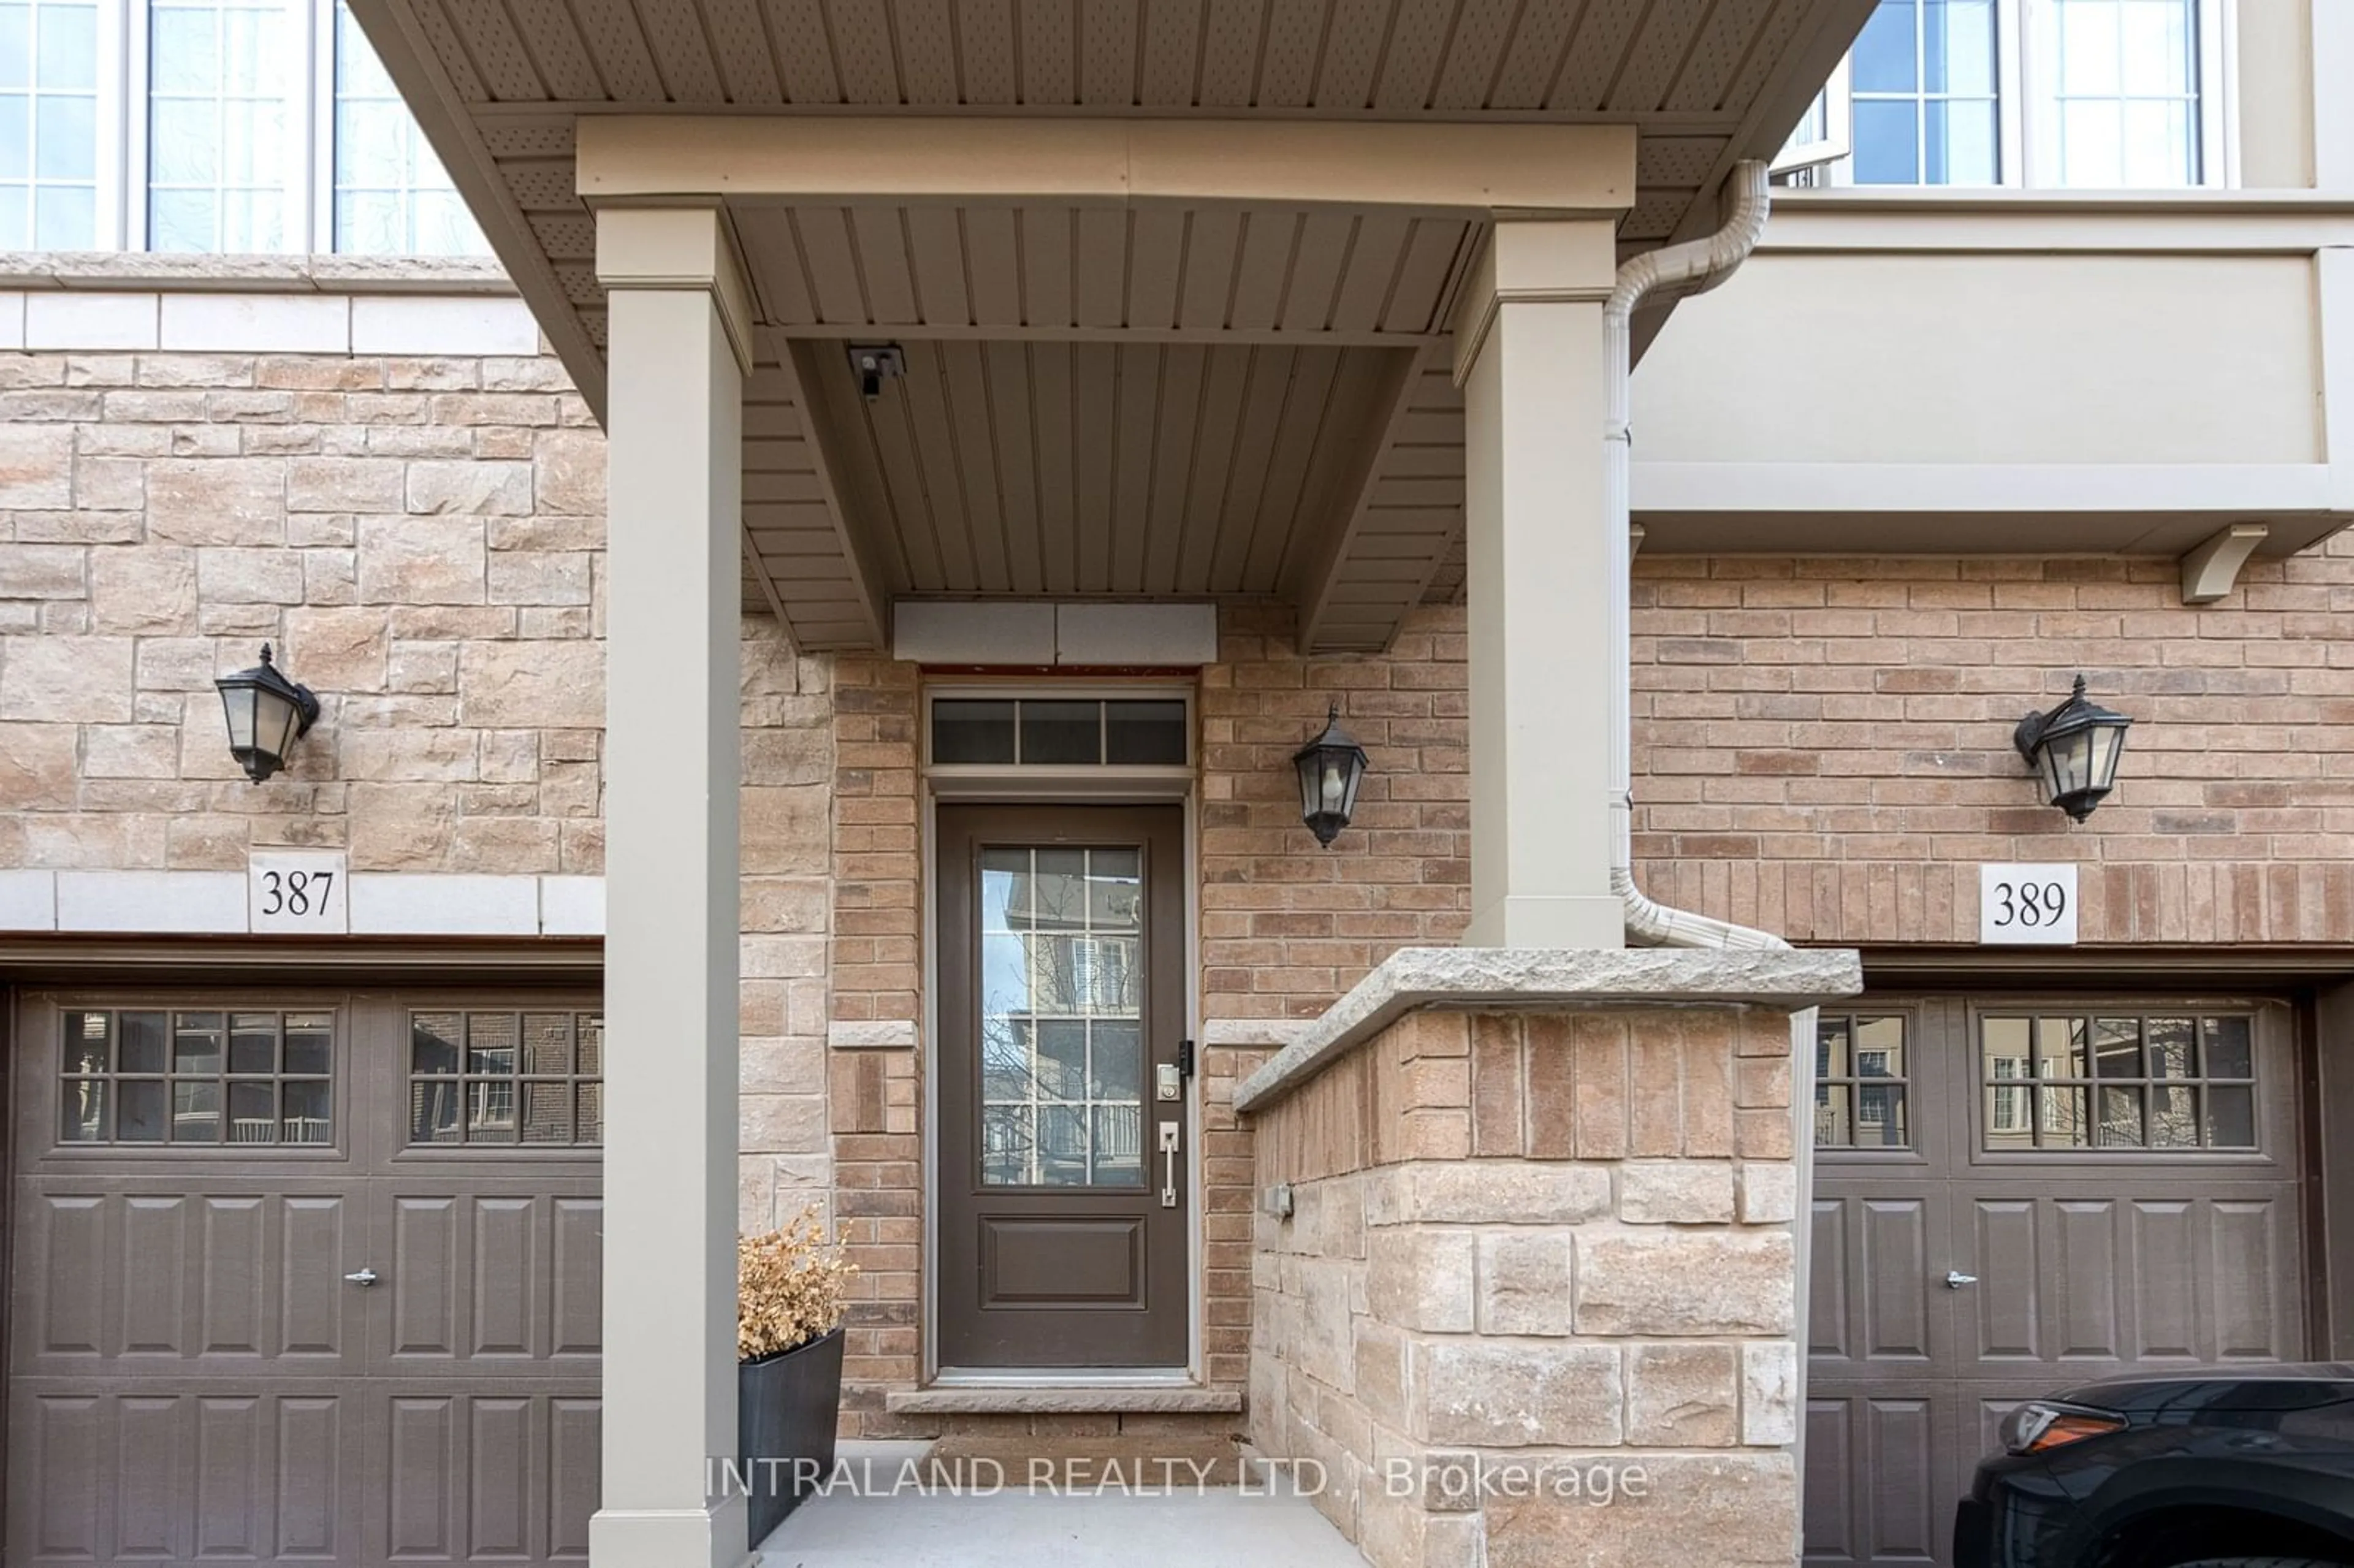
point(1676, 272)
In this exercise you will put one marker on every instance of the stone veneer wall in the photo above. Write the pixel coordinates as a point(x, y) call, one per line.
point(422, 538)
point(1531, 1245)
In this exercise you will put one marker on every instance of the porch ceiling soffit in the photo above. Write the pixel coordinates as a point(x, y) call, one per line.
point(1216, 240)
point(1119, 467)
point(500, 85)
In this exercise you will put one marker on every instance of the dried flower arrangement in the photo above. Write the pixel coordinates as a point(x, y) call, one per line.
point(790, 1284)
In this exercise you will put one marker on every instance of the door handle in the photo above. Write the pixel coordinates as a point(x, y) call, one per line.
point(1169, 1130)
point(362, 1277)
point(1956, 1279)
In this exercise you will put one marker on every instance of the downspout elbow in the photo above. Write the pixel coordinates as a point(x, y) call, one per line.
point(1677, 272)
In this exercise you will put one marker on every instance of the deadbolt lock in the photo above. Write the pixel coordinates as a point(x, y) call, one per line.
point(1166, 1085)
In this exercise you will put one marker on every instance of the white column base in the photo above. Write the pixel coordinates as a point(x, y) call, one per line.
point(670, 1537)
point(1537, 920)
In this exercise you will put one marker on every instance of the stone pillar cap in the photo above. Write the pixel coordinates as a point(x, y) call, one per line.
point(1564, 979)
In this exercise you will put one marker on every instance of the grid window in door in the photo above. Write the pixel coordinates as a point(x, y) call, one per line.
point(2118, 1081)
point(531, 1078)
point(134, 1076)
point(1062, 1030)
point(1859, 1082)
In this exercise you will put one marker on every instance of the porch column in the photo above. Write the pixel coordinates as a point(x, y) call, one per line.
point(1529, 357)
point(679, 351)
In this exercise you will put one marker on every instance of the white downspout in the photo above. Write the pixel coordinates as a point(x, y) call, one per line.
point(1677, 272)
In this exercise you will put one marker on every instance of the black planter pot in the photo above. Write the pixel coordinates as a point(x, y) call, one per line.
point(786, 1405)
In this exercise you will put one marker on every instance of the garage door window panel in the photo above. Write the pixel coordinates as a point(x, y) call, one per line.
point(2119, 1082)
point(492, 1079)
point(197, 1078)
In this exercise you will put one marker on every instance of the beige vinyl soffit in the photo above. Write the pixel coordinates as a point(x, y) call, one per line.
point(1512, 170)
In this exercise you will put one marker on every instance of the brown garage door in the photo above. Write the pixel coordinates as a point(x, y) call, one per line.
point(2014, 1197)
point(309, 1277)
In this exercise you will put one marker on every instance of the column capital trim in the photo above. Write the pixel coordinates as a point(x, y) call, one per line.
point(680, 247)
point(1533, 262)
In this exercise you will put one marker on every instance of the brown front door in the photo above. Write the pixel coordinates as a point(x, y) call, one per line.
point(304, 1276)
point(1063, 1170)
point(2011, 1198)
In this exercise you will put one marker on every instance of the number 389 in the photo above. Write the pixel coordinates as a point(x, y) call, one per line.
point(2029, 903)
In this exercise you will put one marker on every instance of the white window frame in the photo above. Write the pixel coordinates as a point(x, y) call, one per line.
point(2025, 48)
point(113, 95)
point(302, 122)
point(2217, 32)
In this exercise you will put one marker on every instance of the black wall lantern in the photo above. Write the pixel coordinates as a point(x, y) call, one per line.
point(266, 714)
point(1330, 767)
point(2075, 747)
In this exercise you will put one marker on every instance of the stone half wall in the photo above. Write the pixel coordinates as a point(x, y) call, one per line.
point(1535, 1298)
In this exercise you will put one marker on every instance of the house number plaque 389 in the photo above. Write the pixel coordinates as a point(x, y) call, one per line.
point(2027, 905)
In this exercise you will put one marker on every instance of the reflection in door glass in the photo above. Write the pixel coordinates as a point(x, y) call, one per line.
point(1061, 1045)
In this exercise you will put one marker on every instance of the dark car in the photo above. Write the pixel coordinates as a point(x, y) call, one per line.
point(2250, 1469)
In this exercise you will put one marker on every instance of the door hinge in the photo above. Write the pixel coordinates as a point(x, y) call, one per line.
point(1185, 1058)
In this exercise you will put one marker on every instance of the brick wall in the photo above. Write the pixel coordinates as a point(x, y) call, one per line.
point(1286, 925)
point(1823, 747)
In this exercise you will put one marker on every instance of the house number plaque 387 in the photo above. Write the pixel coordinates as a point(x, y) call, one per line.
point(298, 892)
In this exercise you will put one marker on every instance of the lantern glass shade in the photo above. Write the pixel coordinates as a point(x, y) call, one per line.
point(2075, 748)
point(267, 714)
point(1331, 767)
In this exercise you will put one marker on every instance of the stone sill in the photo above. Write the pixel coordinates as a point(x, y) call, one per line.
point(176, 274)
point(1499, 979)
point(1065, 1399)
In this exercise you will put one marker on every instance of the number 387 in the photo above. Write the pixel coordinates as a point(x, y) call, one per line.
point(2029, 903)
point(296, 891)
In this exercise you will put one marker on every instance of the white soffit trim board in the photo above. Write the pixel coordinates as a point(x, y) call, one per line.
point(924, 633)
point(175, 903)
point(571, 906)
point(383, 904)
point(249, 322)
point(29, 901)
point(1038, 633)
point(1948, 488)
point(389, 905)
point(1175, 635)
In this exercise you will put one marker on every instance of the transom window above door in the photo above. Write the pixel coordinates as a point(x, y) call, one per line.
point(2118, 1081)
point(1060, 731)
point(202, 1077)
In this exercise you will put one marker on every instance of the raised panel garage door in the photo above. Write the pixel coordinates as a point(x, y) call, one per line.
point(2012, 1198)
point(304, 1276)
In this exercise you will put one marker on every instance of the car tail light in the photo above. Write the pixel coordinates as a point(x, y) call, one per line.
point(2039, 1427)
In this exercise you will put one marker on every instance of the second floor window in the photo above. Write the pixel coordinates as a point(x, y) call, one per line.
point(231, 126)
point(48, 125)
point(2090, 94)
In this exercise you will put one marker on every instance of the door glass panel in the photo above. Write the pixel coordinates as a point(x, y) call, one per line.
point(521, 1078)
point(196, 1113)
point(1061, 1048)
point(2116, 1048)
